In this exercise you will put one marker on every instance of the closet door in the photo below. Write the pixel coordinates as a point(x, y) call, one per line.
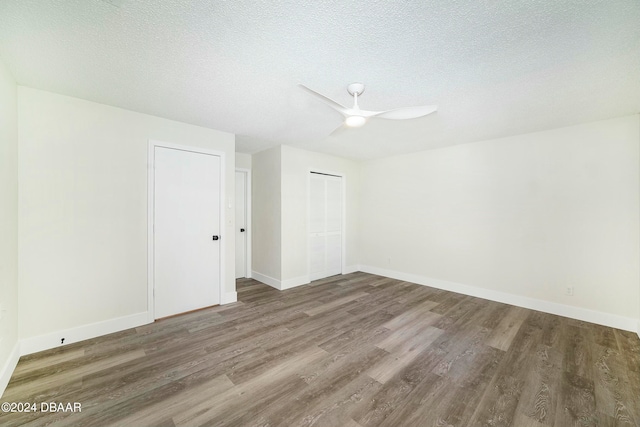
point(325, 225)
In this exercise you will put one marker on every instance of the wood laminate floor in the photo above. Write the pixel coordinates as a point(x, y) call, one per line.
point(347, 351)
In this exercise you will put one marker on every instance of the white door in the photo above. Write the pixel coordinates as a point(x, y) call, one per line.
point(186, 231)
point(241, 224)
point(325, 226)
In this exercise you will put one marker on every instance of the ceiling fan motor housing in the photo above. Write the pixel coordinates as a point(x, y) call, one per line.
point(355, 89)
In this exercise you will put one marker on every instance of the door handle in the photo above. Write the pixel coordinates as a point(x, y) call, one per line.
point(242, 230)
point(216, 237)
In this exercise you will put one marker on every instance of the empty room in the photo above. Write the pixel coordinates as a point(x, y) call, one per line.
point(319, 213)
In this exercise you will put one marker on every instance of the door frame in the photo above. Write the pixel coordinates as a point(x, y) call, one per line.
point(343, 237)
point(151, 215)
point(247, 207)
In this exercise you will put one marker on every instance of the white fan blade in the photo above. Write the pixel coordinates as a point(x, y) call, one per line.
point(340, 130)
point(363, 113)
point(330, 102)
point(407, 112)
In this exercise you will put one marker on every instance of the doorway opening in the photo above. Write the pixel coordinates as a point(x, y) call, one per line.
point(243, 223)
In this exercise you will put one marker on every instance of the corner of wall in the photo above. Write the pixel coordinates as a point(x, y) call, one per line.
point(229, 297)
point(350, 269)
point(8, 367)
point(294, 282)
point(9, 223)
point(267, 280)
point(280, 285)
point(266, 234)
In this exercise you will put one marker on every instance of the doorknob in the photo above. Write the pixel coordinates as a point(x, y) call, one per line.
point(242, 230)
point(216, 237)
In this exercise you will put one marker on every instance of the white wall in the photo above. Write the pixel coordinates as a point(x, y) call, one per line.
point(523, 216)
point(8, 226)
point(296, 166)
point(266, 216)
point(280, 191)
point(243, 161)
point(83, 213)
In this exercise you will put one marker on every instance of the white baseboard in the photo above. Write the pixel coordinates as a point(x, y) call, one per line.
point(229, 297)
point(585, 314)
point(280, 285)
point(638, 330)
point(9, 367)
point(84, 332)
point(274, 283)
point(293, 282)
point(350, 269)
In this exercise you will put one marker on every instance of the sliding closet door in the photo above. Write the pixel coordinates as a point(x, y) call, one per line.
point(325, 225)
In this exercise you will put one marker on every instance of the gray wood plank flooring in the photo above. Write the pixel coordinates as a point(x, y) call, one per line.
point(357, 350)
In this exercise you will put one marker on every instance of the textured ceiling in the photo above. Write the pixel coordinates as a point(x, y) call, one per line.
point(495, 68)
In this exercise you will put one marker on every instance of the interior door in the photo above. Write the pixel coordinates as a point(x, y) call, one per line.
point(186, 231)
point(241, 224)
point(325, 226)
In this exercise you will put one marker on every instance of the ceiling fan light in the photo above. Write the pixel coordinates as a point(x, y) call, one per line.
point(355, 121)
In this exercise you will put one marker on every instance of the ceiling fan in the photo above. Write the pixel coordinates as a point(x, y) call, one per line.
point(355, 117)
